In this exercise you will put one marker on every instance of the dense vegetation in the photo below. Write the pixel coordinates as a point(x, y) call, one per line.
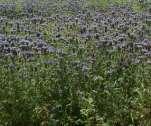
point(75, 63)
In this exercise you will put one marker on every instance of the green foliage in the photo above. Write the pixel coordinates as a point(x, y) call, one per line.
point(62, 90)
point(33, 93)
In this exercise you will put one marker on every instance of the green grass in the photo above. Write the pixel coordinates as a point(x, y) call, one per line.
point(103, 4)
point(94, 3)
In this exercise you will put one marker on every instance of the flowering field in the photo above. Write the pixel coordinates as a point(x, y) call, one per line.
point(75, 63)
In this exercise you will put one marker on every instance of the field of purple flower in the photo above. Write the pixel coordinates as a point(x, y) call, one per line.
point(75, 63)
